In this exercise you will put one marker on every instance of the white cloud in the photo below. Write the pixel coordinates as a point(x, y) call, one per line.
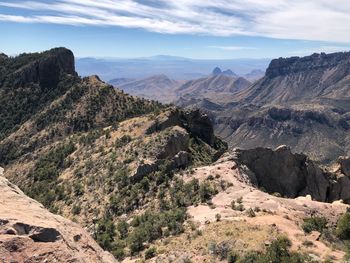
point(298, 19)
point(232, 48)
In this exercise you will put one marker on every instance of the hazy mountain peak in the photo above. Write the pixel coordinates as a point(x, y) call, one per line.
point(227, 72)
point(216, 71)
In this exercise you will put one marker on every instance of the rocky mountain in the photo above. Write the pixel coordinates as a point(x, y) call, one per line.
point(159, 88)
point(215, 88)
point(98, 156)
point(316, 77)
point(153, 183)
point(30, 233)
point(228, 72)
point(301, 102)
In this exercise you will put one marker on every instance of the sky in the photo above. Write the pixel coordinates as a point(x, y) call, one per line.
point(202, 29)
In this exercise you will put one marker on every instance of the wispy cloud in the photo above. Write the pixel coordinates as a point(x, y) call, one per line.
point(321, 20)
point(232, 48)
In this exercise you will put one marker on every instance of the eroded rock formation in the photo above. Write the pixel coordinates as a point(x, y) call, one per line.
point(292, 175)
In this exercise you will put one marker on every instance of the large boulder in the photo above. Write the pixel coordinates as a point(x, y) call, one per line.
point(292, 175)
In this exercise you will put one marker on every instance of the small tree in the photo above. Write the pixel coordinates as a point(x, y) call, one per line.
point(343, 227)
point(150, 253)
point(122, 228)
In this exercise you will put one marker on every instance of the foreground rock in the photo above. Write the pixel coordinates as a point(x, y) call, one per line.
point(30, 233)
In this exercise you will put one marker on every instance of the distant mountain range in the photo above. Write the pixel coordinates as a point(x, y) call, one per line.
point(301, 102)
point(158, 87)
point(217, 87)
point(174, 67)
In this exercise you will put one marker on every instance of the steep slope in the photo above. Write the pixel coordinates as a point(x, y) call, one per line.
point(317, 77)
point(158, 87)
point(30, 82)
point(29, 233)
point(301, 102)
point(102, 157)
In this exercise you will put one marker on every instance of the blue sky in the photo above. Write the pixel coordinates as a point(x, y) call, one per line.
point(189, 28)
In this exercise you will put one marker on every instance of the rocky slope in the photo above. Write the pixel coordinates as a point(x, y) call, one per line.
point(249, 213)
point(29, 233)
point(301, 102)
point(101, 157)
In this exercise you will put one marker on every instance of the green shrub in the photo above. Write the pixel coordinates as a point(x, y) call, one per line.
point(232, 257)
point(343, 227)
point(150, 253)
point(76, 209)
point(122, 228)
point(314, 224)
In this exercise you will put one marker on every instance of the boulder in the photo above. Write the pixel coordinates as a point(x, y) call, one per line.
point(293, 175)
point(177, 141)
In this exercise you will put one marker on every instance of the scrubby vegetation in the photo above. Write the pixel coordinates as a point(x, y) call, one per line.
point(277, 252)
point(43, 185)
point(314, 224)
point(343, 226)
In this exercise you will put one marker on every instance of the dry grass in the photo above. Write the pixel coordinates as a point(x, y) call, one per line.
point(242, 235)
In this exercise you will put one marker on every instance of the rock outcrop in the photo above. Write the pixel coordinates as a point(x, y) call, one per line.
point(194, 121)
point(47, 69)
point(292, 175)
point(30, 233)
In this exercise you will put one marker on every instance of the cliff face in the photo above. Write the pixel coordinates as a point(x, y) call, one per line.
point(30, 82)
point(292, 175)
point(29, 233)
point(285, 66)
point(312, 78)
point(47, 69)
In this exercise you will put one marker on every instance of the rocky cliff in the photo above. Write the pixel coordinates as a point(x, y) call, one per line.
point(29, 233)
point(292, 175)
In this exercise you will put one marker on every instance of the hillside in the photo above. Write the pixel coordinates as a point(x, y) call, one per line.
point(99, 156)
point(301, 102)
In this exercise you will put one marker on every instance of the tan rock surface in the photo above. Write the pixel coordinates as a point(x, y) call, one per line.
point(29, 233)
point(286, 215)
